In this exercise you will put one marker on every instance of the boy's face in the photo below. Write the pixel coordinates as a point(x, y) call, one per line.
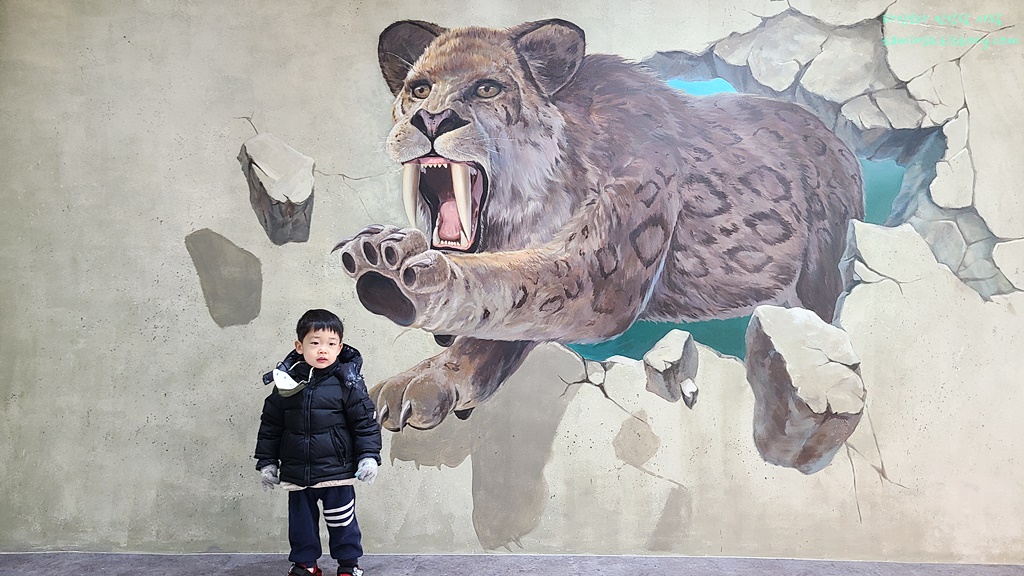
point(320, 348)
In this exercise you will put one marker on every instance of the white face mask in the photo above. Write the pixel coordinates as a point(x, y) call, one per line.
point(286, 385)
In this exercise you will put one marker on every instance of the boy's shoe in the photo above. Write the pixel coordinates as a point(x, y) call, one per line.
point(353, 571)
point(300, 570)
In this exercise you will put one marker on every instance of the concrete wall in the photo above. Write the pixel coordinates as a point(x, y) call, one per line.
point(129, 415)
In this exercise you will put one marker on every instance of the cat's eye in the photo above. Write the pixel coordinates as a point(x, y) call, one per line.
point(421, 90)
point(488, 89)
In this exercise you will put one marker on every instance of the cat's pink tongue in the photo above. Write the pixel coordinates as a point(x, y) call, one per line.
point(448, 226)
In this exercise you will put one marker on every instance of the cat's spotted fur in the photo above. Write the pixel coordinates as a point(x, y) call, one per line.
point(610, 197)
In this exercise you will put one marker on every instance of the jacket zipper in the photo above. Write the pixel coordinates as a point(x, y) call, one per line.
point(308, 401)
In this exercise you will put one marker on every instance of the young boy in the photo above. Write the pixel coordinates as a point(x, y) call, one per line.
point(319, 433)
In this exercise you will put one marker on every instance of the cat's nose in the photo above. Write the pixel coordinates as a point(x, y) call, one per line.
point(433, 125)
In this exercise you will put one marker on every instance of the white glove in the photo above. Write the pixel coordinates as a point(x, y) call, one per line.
point(367, 470)
point(268, 477)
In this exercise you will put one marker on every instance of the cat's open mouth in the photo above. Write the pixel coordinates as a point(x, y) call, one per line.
point(454, 193)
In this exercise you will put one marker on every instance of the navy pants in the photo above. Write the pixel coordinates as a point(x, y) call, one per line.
point(339, 504)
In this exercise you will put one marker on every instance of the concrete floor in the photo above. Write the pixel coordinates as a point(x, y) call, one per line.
point(88, 564)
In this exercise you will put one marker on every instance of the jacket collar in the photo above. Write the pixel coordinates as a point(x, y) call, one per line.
point(348, 364)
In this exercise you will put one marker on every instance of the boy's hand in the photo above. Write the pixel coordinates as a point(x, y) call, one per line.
point(367, 470)
point(268, 477)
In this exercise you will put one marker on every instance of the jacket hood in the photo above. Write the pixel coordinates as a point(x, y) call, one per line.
point(350, 355)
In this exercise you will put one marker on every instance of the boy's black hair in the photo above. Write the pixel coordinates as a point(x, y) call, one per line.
point(319, 319)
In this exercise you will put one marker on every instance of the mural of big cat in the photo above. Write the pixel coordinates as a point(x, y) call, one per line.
point(558, 196)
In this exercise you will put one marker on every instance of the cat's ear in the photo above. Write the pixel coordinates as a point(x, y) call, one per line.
point(400, 45)
point(551, 52)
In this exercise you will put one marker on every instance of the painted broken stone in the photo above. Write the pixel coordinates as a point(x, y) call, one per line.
point(808, 393)
point(671, 367)
point(280, 187)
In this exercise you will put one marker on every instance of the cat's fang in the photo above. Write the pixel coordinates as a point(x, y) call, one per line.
point(411, 190)
point(463, 194)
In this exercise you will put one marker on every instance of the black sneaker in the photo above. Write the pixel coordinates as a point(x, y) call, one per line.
point(300, 570)
point(350, 571)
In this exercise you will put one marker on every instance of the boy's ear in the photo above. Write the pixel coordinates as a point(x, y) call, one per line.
point(298, 346)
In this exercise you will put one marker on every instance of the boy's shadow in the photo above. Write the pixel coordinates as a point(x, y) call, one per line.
point(510, 438)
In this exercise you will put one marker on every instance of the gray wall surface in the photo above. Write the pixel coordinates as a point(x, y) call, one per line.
point(128, 415)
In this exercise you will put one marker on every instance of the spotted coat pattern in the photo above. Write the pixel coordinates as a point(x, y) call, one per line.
point(611, 197)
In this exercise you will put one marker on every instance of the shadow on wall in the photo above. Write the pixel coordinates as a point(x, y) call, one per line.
point(510, 440)
point(231, 277)
point(882, 182)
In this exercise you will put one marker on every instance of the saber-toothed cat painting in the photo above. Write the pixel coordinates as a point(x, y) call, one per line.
point(558, 196)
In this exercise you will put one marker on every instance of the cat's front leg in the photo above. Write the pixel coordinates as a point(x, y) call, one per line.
point(456, 380)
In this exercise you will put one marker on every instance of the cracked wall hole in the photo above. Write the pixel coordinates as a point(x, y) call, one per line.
point(918, 119)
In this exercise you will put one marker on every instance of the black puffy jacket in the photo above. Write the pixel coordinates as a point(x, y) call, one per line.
point(323, 431)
